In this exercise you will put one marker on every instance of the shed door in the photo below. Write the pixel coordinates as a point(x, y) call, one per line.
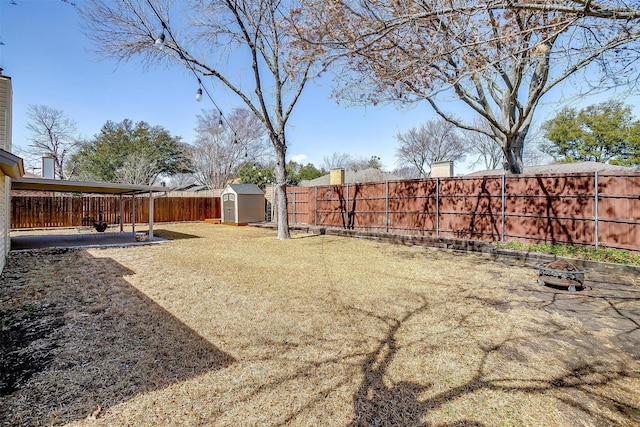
point(229, 207)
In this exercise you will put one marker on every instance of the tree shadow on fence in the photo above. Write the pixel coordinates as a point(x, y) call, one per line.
point(66, 314)
point(477, 216)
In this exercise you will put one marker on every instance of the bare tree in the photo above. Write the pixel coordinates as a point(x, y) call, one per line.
point(497, 57)
point(489, 153)
point(337, 161)
point(350, 162)
point(138, 169)
point(219, 151)
point(433, 141)
point(204, 36)
point(52, 134)
point(407, 172)
point(181, 179)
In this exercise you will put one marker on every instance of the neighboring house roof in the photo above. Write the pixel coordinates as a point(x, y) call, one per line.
point(577, 167)
point(191, 187)
point(352, 177)
point(244, 189)
point(11, 165)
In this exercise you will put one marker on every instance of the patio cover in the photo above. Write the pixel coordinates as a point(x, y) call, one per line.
point(64, 186)
point(11, 165)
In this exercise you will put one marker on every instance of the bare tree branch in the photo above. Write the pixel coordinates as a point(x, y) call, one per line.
point(433, 141)
point(53, 135)
point(218, 152)
point(260, 35)
point(499, 58)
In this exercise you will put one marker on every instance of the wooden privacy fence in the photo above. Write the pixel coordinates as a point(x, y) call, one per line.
point(598, 209)
point(69, 211)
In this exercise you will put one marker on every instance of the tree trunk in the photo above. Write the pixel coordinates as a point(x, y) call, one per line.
point(281, 191)
point(513, 150)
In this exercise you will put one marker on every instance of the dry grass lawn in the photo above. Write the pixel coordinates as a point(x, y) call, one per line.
point(228, 326)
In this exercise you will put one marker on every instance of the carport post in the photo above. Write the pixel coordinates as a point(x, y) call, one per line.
point(150, 237)
point(121, 214)
point(133, 213)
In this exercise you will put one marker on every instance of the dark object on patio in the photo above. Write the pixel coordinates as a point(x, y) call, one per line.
point(561, 273)
point(99, 225)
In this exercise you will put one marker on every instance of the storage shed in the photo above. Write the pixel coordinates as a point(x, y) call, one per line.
point(242, 204)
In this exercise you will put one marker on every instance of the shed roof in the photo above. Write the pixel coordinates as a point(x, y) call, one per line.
point(245, 189)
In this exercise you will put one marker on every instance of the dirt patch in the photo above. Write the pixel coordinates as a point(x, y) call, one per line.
point(237, 328)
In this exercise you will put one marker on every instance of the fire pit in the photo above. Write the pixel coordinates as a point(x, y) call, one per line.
point(561, 273)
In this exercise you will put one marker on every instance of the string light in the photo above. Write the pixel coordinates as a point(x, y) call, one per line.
point(160, 43)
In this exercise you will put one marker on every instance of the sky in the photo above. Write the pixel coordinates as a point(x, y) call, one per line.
point(50, 63)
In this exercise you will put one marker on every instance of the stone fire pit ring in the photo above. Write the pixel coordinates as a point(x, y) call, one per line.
point(561, 273)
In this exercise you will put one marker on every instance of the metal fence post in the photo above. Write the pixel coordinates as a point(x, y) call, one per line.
point(595, 208)
point(503, 206)
point(294, 206)
point(386, 205)
point(346, 206)
point(438, 207)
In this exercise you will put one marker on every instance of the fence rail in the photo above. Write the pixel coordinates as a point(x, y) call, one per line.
point(69, 211)
point(597, 209)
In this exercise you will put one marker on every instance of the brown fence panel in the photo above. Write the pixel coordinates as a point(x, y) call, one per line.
point(412, 206)
point(471, 208)
point(172, 209)
point(68, 211)
point(550, 208)
point(331, 206)
point(38, 211)
point(619, 210)
point(366, 205)
point(553, 209)
point(96, 207)
point(298, 205)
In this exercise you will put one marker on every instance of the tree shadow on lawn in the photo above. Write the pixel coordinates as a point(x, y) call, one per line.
point(76, 334)
point(607, 302)
point(582, 387)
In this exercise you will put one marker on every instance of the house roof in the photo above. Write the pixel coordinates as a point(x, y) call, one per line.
point(64, 186)
point(352, 177)
point(191, 187)
point(577, 167)
point(244, 189)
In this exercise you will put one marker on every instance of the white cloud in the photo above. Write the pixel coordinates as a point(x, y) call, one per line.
point(299, 158)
